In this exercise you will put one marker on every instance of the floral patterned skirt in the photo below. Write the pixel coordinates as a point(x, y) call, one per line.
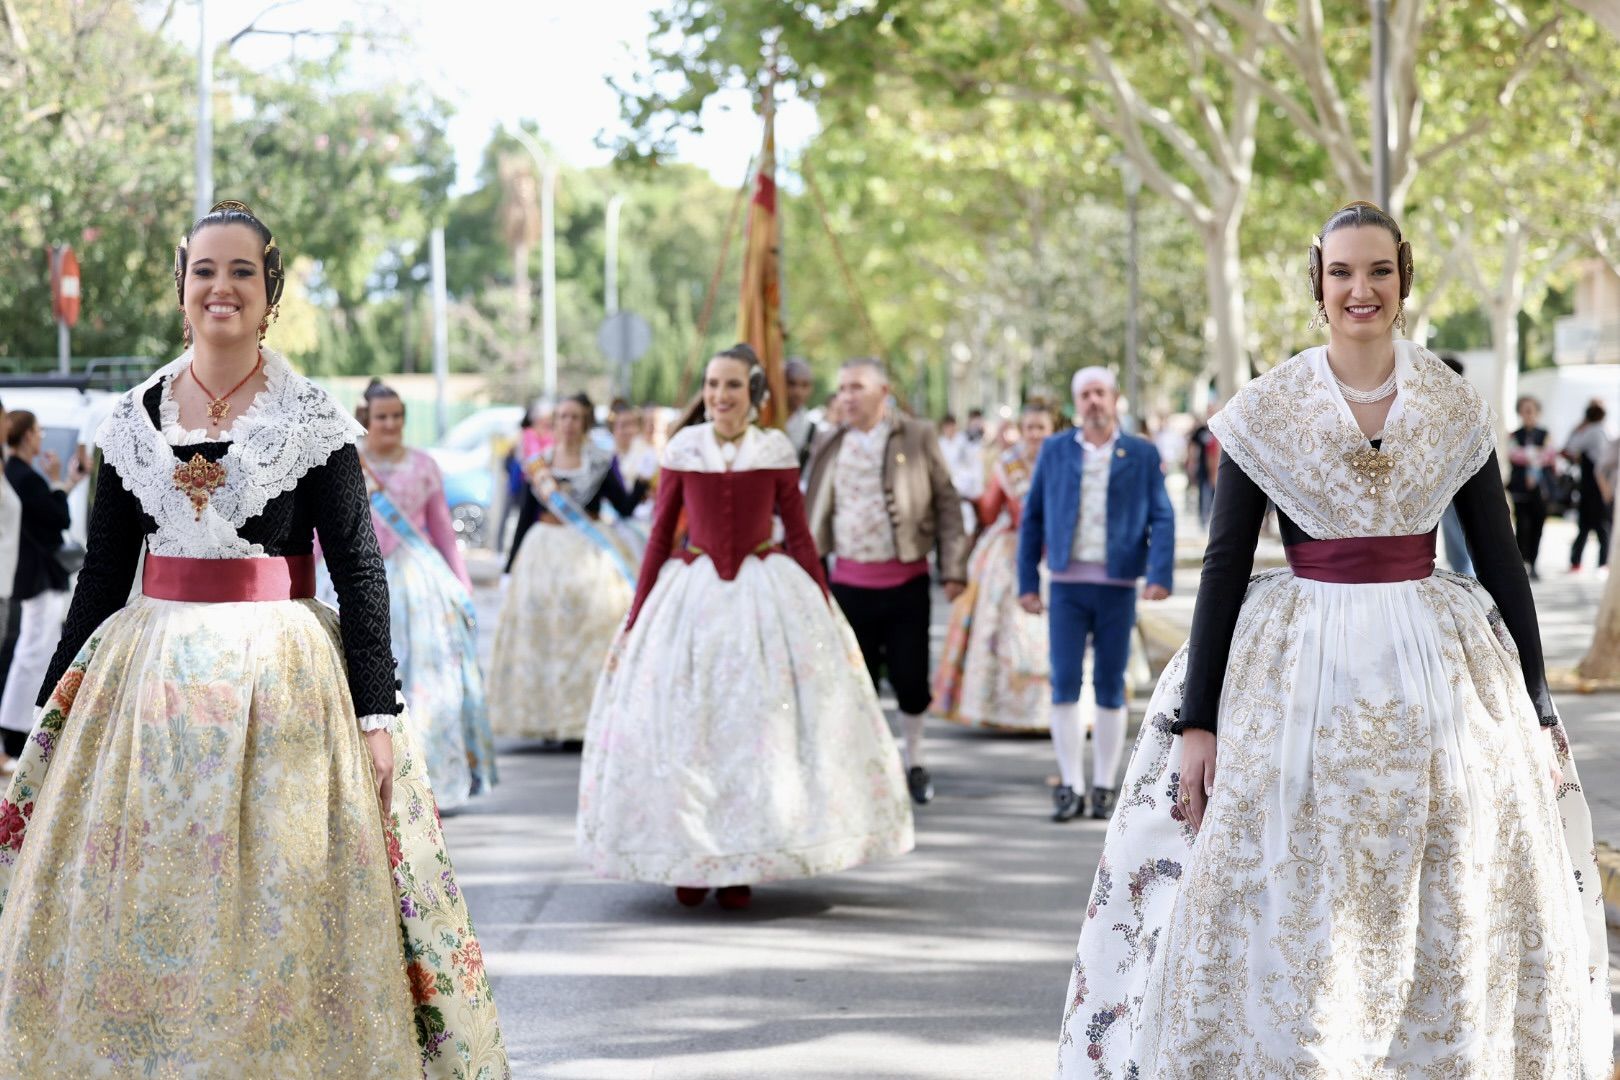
point(1387, 883)
point(195, 880)
point(564, 602)
point(436, 649)
point(736, 738)
point(995, 671)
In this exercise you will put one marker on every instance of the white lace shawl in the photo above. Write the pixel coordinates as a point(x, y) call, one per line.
point(291, 427)
point(695, 449)
point(1293, 434)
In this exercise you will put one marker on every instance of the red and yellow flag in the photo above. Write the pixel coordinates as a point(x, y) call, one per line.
point(759, 314)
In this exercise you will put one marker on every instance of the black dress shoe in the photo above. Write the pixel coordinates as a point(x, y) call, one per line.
point(1067, 803)
point(920, 784)
point(1102, 803)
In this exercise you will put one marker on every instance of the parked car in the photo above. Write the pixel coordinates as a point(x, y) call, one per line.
point(470, 457)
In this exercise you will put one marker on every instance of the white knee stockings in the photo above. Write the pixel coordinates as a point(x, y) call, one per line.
point(1108, 743)
point(911, 731)
point(1068, 742)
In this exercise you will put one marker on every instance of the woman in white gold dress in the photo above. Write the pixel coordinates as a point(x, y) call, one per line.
point(196, 879)
point(571, 580)
point(1351, 842)
point(735, 737)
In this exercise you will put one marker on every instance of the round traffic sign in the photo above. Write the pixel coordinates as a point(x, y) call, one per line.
point(624, 337)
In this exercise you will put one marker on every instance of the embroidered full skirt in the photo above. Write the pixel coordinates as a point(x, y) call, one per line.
point(735, 737)
point(196, 879)
point(1387, 884)
point(995, 670)
point(436, 648)
point(564, 602)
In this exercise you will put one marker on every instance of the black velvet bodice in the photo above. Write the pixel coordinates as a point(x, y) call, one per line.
point(330, 499)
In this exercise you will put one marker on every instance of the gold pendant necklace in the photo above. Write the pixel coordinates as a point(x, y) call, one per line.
point(219, 405)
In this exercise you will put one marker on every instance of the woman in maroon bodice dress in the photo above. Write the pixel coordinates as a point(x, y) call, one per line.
point(735, 736)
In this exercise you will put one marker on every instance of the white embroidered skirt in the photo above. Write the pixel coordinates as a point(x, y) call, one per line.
point(564, 602)
point(1387, 883)
point(736, 738)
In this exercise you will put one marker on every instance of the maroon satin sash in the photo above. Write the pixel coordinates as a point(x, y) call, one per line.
point(228, 581)
point(1364, 560)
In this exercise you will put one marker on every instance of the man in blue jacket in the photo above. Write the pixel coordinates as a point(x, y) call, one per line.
point(1098, 511)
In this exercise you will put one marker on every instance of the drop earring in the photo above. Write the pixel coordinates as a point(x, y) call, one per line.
point(1400, 320)
point(1319, 319)
point(185, 330)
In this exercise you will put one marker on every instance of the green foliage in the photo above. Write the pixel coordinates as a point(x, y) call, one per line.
point(97, 126)
point(93, 108)
point(963, 144)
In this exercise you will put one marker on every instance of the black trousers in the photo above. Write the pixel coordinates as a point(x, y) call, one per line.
point(892, 628)
point(1596, 524)
point(1529, 518)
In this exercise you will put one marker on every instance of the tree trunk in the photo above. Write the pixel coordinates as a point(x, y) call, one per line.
point(1602, 660)
point(1605, 12)
point(1506, 302)
point(1227, 329)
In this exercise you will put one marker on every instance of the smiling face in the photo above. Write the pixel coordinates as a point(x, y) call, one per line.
point(385, 424)
point(224, 285)
point(1361, 285)
point(725, 392)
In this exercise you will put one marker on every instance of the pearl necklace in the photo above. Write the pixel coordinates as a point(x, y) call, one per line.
point(1367, 397)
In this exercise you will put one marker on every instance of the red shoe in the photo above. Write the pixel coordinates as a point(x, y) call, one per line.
point(690, 895)
point(735, 897)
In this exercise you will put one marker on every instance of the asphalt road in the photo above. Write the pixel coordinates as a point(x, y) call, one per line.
point(947, 963)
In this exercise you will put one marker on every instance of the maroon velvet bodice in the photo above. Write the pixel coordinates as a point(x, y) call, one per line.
point(728, 518)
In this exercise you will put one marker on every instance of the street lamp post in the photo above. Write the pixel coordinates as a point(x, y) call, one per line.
point(204, 196)
point(1133, 388)
point(548, 259)
point(610, 266)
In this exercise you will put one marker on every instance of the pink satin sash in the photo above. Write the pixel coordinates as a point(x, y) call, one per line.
point(1364, 560)
point(229, 581)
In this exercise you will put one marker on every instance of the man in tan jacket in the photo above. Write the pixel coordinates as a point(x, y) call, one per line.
point(880, 498)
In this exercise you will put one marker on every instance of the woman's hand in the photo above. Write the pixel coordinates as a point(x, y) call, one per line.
point(1197, 773)
point(381, 745)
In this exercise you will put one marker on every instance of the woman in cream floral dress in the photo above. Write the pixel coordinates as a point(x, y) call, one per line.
point(1351, 842)
point(570, 583)
point(994, 671)
point(196, 877)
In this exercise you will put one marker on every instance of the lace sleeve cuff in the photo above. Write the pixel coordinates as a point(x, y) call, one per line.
point(376, 722)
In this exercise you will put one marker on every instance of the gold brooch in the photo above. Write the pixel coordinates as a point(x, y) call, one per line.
point(1371, 469)
point(199, 478)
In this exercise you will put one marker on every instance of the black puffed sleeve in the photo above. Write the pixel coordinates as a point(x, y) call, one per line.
point(1482, 508)
point(337, 490)
point(1234, 530)
point(111, 555)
